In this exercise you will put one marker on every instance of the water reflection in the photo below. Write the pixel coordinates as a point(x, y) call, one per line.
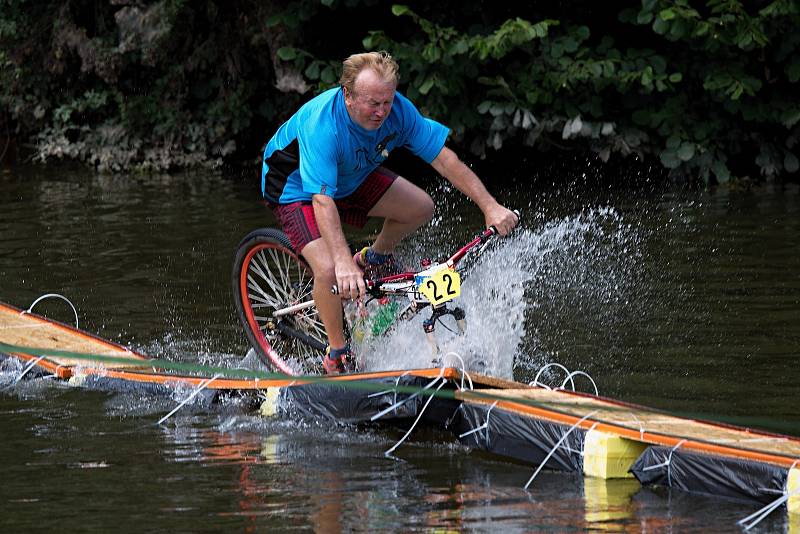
point(677, 299)
point(608, 503)
point(308, 477)
point(280, 474)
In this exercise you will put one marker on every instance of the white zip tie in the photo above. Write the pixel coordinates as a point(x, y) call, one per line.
point(759, 515)
point(397, 383)
point(394, 389)
point(379, 393)
point(583, 452)
point(48, 295)
point(667, 463)
point(422, 411)
point(469, 379)
point(201, 387)
point(542, 369)
point(574, 373)
point(398, 404)
point(484, 425)
point(553, 450)
point(28, 367)
point(641, 426)
point(463, 370)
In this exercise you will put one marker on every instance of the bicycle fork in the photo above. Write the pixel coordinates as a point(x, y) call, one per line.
point(429, 325)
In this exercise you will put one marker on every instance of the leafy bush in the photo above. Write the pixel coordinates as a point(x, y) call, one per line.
point(710, 91)
point(699, 90)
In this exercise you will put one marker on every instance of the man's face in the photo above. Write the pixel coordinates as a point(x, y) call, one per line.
point(371, 101)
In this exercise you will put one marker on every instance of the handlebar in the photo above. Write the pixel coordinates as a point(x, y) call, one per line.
point(455, 258)
point(480, 239)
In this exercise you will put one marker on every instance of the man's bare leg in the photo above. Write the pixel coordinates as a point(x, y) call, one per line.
point(404, 207)
point(328, 305)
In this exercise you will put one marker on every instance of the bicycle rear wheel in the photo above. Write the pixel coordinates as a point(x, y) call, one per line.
point(268, 276)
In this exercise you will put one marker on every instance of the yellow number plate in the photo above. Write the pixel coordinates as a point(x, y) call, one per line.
point(442, 286)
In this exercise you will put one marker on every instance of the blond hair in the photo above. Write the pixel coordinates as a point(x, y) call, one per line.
point(382, 63)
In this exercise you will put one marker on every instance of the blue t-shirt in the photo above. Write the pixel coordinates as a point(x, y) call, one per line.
point(320, 150)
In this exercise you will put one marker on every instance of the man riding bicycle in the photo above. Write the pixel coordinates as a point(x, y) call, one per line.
point(323, 167)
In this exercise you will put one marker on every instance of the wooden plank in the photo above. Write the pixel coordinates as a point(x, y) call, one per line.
point(639, 420)
point(30, 330)
point(651, 426)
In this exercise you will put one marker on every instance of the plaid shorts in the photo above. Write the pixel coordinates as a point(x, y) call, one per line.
point(300, 224)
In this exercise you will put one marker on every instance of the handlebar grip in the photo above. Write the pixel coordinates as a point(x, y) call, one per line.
point(335, 288)
point(493, 229)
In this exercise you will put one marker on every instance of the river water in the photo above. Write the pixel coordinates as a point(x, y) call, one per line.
point(685, 300)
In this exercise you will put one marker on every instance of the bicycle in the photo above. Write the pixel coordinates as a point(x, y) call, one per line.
point(272, 289)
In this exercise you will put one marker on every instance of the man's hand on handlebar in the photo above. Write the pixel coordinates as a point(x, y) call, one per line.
point(503, 219)
point(349, 280)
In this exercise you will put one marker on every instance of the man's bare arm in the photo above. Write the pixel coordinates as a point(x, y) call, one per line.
point(349, 278)
point(448, 164)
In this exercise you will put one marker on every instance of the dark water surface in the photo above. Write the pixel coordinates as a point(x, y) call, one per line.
point(686, 301)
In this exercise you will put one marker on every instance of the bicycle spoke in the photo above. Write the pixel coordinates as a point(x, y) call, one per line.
point(253, 283)
point(262, 299)
point(280, 289)
point(313, 321)
point(277, 289)
point(275, 278)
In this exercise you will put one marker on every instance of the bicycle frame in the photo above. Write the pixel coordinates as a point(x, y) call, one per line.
point(391, 285)
point(273, 293)
point(403, 283)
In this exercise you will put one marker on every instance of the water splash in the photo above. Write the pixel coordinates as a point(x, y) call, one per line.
point(541, 295)
point(524, 291)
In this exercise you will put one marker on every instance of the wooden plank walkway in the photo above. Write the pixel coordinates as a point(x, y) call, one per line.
point(643, 424)
point(30, 330)
point(624, 420)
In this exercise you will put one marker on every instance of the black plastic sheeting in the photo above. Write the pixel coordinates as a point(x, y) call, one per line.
point(204, 398)
point(711, 475)
point(521, 437)
point(340, 402)
point(508, 434)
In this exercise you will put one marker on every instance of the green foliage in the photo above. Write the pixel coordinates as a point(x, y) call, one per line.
point(701, 91)
point(139, 86)
point(323, 74)
point(444, 63)
point(708, 89)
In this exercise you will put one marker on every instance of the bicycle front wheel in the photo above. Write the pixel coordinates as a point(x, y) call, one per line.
point(269, 276)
